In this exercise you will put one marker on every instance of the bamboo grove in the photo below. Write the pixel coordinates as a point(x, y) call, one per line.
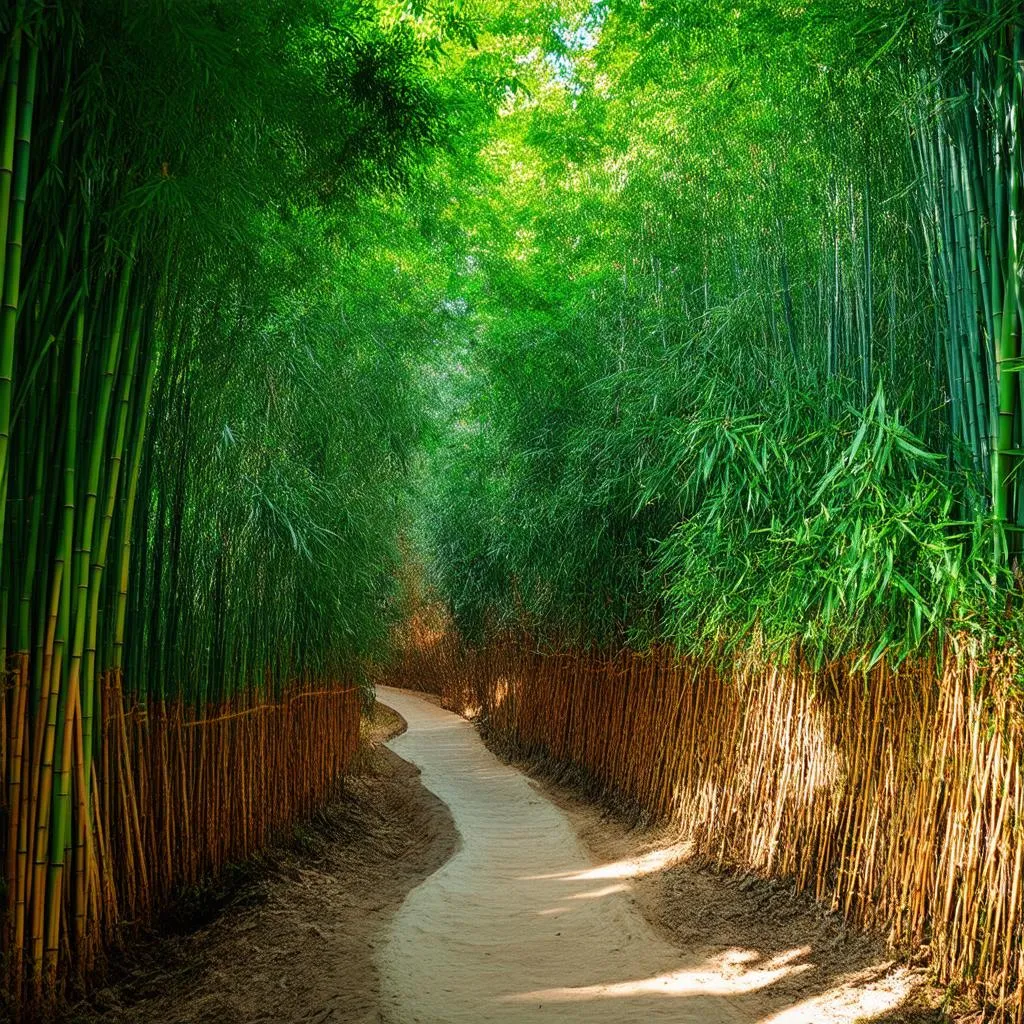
point(204, 425)
point(683, 333)
point(728, 462)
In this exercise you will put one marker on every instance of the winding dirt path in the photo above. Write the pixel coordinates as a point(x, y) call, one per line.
point(543, 909)
point(520, 925)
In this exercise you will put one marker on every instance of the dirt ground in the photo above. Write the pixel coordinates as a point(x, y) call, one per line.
point(297, 936)
point(292, 941)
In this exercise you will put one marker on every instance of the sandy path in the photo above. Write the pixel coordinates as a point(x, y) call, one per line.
point(520, 925)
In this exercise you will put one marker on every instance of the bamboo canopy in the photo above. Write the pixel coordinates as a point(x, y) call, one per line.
point(670, 351)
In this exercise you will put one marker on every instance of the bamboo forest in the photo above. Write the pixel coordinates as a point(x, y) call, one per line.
point(512, 510)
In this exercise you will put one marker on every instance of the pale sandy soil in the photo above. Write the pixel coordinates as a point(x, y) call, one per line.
point(551, 911)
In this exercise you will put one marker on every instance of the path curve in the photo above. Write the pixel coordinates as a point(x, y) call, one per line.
point(520, 925)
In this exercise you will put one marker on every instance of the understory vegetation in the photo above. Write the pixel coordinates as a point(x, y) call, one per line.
point(687, 325)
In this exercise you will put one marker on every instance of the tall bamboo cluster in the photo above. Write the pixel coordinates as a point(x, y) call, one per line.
point(896, 797)
point(197, 463)
point(78, 354)
point(970, 166)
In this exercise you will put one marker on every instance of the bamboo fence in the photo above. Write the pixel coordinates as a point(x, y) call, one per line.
point(176, 796)
point(895, 797)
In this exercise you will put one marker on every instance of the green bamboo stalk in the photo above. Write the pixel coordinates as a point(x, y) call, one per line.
point(71, 693)
point(131, 495)
point(1008, 342)
point(9, 131)
point(12, 263)
point(101, 537)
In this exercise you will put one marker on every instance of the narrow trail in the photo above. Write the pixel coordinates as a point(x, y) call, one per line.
point(446, 887)
point(520, 925)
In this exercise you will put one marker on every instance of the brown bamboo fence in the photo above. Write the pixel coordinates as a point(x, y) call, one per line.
point(894, 796)
point(176, 796)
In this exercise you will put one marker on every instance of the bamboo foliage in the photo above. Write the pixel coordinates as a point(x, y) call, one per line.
point(741, 343)
point(194, 455)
